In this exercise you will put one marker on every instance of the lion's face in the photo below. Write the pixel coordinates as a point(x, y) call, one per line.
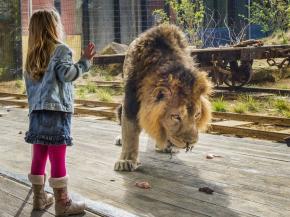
point(180, 124)
point(173, 114)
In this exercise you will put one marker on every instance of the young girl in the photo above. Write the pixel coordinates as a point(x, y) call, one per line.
point(50, 72)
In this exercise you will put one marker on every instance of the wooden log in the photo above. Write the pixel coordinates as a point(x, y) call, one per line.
point(108, 59)
point(257, 89)
point(97, 103)
point(246, 132)
point(253, 118)
point(90, 111)
point(16, 95)
point(13, 102)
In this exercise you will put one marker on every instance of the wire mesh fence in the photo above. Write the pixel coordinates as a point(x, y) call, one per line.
point(100, 21)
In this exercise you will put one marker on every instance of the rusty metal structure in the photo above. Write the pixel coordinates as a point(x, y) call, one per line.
point(228, 65)
point(233, 66)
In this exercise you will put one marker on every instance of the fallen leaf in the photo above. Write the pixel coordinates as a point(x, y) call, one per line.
point(211, 156)
point(144, 185)
point(206, 190)
point(20, 132)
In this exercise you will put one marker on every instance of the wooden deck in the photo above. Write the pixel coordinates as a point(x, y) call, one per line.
point(251, 179)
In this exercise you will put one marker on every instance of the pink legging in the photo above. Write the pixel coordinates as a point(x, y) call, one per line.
point(56, 156)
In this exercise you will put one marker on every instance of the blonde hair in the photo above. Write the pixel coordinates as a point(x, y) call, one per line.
point(45, 31)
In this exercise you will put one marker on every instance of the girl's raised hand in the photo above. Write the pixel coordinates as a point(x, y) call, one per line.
point(89, 51)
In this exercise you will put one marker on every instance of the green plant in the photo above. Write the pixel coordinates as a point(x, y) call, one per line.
point(282, 105)
point(108, 77)
point(250, 103)
point(288, 14)
point(2, 70)
point(104, 95)
point(81, 92)
point(19, 84)
point(91, 87)
point(219, 105)
point(271, 15)
point(286, 114)
point(240, 107)
point(160, 16)
point(189, 16)
point(283, 86)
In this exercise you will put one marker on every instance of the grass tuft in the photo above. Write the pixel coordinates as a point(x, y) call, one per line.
point(104, 95)
point(282, 105)
point(219, 105)
point(240, 107)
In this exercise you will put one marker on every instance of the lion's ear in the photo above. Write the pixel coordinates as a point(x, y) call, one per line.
point(161, 93)
point(203, 85)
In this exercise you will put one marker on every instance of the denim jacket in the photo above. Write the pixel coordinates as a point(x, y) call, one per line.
point(54, 91)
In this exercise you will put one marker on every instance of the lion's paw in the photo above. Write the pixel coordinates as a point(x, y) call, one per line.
point(118, 141)
point(126, 165)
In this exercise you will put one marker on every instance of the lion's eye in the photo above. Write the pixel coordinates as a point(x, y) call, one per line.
point(176, 118)
point(160, 96)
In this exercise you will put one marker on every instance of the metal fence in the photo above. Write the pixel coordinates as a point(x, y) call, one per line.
point(100, 21)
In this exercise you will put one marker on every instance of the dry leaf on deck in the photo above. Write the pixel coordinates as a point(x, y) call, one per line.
point(211, 156)
point(144, 185)
point(206, 190)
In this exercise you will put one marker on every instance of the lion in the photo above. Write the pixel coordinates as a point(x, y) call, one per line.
point(165, 94)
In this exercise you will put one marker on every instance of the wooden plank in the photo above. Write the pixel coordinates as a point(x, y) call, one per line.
point(2, 114)
point(120, 83)
point(14, 102)
point(78, 101)
point(252, 118)
point(92, 111)
point(269, 135)
point(231, 123)
point(108, 59)
point(8, 98)
point(16, 95)
point(104, 86)
point(285, 131)
point(78, 109)
point(236, 90)
point(97, 103)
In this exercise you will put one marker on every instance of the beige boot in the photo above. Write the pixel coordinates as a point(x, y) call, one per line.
point(64, 206)
point(41, 199)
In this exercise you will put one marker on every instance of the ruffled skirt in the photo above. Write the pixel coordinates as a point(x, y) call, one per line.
point(49, 128)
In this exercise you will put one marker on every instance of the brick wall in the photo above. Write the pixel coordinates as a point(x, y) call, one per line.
point(67, 14)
